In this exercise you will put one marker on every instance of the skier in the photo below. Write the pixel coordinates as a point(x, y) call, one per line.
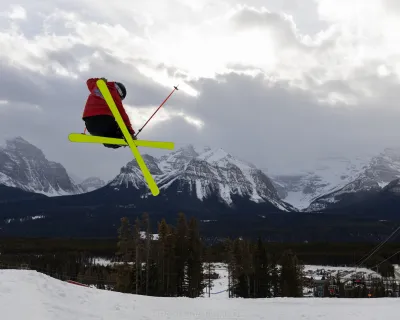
point(97, 115)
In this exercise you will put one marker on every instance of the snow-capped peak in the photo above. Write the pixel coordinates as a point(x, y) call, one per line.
point(391, 153)
point(215, 155)
point(334, 178)
point(20, 145)
point(204, 172)
point(24, 166)
point(91, 184)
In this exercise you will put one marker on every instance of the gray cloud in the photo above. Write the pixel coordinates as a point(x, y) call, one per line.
point(273, 125)
point(278, 127)
point(283, 128)
point(61, 101)
point(283, 29)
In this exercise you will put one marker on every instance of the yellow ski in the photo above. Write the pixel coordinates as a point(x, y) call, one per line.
point(84, 138)
point(142, 165)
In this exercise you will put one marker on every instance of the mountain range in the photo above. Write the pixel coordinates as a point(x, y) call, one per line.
point(337, 178)
point(230, 196)
point(24, 166)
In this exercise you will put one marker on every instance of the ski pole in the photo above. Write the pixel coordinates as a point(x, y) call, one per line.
point(175, 88)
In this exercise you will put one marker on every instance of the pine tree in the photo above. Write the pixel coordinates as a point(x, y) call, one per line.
point(162, 257)
point(124, 243)
point(230, 262)
point(181, 253)
point(170, 260)
point(236, 269)
point(210, 269)
point(261, 271)
point(247, 268)
point(149, 238)
point(138, 263)
point(291, 275)
point(124, 252)
point(195, 271)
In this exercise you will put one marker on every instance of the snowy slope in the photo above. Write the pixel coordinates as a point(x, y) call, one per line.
point(203, 172)
point(24, 166)
point(378, 173)
point(30, 295)
point(91, 184)
point(329, 178)
point(324, 176)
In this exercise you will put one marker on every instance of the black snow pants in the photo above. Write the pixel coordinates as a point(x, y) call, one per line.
point(104, 126)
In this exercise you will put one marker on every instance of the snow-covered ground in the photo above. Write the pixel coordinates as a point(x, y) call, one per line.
point(219, 288)
point(29, 295)
point(314, 271)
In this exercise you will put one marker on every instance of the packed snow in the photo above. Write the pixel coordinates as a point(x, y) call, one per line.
point(30, 295)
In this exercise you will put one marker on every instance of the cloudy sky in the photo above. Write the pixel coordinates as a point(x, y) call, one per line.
point(278, 83)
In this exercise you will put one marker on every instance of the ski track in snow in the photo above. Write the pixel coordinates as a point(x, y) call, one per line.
point(29, 295)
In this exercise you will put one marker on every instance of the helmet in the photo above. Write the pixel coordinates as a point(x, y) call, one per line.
point(121, 90)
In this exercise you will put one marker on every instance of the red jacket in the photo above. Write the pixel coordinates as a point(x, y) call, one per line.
point(96, 105)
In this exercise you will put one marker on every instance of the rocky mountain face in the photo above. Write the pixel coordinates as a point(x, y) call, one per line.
point(203, 173)
point(24, 166)
point(323, 177)
point(228, 196)
point(91, 184)
point(335, 180)
point(197, 172)
point(372, 178)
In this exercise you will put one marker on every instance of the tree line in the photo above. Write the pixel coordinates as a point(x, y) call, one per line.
point(324, 253)
point(174, 262)
point(170, 265)
point(177, 263)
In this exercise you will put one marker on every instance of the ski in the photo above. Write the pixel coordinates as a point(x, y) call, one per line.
point(142, 165)
point(133, 144)
point(84, 138)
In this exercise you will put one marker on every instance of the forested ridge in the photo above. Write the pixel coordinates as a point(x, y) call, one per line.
point(178, 262)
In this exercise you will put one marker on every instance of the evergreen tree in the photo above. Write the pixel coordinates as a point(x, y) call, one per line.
point(230, 263)
point(181, 254)
point(274, 274)
point(124, 280)
point(209, 271)
point(138, 262)
point(195, 272)
point(262, 286)
point(247, 268)
point(124, 243)
point(291, 275)
point(149, 237)
point(162, 257)
point(236, 269)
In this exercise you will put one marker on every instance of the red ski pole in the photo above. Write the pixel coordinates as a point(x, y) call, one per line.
point(175, 88)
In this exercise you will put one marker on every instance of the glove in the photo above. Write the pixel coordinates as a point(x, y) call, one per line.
point(132, 136)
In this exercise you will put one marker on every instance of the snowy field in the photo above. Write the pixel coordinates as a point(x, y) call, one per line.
point(29, 295)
